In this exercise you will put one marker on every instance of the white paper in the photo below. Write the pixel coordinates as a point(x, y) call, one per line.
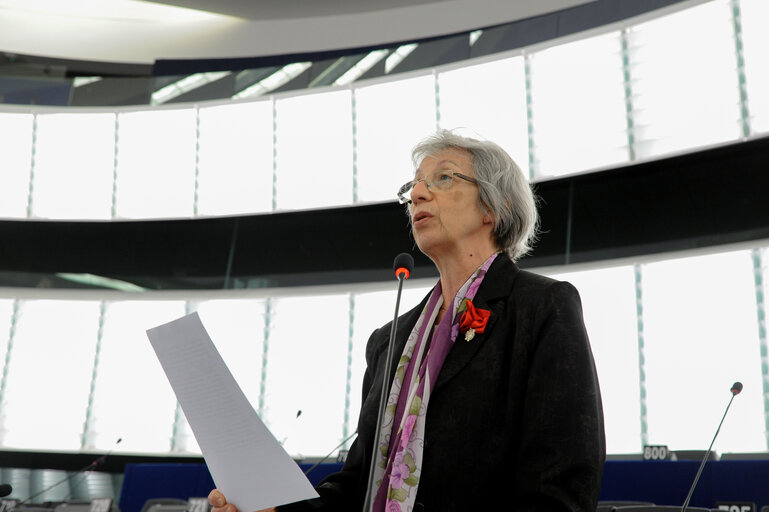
point(247, 463)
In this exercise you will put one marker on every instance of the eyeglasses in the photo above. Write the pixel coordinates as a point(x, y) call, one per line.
point(441, 180)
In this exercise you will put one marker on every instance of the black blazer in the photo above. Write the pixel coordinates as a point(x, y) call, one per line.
point(515, 416)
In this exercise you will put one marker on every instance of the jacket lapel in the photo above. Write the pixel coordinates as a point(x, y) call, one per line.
point(497, 284)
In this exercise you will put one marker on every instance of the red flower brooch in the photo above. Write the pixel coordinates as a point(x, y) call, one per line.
point(473, 320)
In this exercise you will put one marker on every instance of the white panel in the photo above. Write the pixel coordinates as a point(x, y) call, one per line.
point(133, 399)
point(16, 163)
point(609, 307)
point(391, 119)
point(74, 166)
point(684, 80)
point(578, 106)
point(755, 42)
point(314, 150)
point(235, 159)
point(489, 101)
point(49, 374)
point(156, 164)
point(702, 336)
point(307, 372)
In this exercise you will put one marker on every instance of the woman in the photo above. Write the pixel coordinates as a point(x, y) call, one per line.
point(494, 403)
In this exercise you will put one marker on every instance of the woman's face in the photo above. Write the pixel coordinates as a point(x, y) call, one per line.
point(447, 221)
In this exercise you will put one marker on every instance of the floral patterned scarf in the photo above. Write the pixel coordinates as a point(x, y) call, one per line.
point(396, 476)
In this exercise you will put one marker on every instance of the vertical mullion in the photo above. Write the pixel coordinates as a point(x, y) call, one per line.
point(197, 162)
point(628, 88)
point(274, 155)
point(758, 279)
point(437, 91)
point(265, 354)
point(115, 155)
point(529, 115)
point(353, 108)
point(33, 151)
point(348, 381)
point(637, 269)
point(741, 81)
point(7, 364)
point(87, 438)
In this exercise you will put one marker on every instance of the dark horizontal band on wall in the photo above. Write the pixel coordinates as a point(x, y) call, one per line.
point(703, 199)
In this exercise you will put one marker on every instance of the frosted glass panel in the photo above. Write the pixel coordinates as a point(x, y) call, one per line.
point(74, 166)
point(235, 159)
point(133, 399)
point(307, 373)
point(609, 309)
point(701, 336)
point(16, 163)
point(578, 106)
point(372, 311)
point(156, 164)
point(755, 43)
point(684, 80)
point(49, 375)
point(489, 100)
point(314, 150)
point(391, 118)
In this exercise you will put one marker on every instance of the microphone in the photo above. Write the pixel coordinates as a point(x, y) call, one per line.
point(93, 465)
point(402, 266)
point(5, 490)
point(736, 389)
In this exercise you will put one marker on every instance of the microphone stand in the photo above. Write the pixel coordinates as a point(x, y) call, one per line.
point(736, 388)
point(369, 501)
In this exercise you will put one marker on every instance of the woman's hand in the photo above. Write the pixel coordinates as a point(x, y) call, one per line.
point(219, 503)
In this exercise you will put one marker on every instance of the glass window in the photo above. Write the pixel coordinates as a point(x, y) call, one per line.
point(133, 400)
point(755, 44)
point(489, 100)
point(578, 106)
point(372, 311)
point(235, 159)
point(156, 163)
point(684, 80)
point(609, 309)
point(702, 336)
point(74, 166)
point(307, 372)
point(49, 374)
point(16, 163)
point(391, 118)
point(314, 150)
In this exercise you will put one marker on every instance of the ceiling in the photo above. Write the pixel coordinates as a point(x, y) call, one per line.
point(141, 32)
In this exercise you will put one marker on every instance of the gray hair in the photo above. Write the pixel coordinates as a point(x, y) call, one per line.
point(504, 192)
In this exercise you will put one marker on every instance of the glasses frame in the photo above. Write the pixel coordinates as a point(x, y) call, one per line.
point(429, 182)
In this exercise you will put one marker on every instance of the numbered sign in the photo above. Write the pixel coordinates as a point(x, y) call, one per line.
point(656, 452)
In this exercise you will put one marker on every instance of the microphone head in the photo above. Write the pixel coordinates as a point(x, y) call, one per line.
point(403, 265)
point(736, 388)
point(5, 490)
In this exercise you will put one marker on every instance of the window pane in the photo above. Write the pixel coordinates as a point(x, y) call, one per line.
point(684, 80)
point(235, 159)
point(314, 150)
point(156, 164)
point(307, 372)
point(49, 374)
point(609, 308)
point(372, 311)
point(490, 100)
point(74, 166)
point(133, 399)
point(755, 42)
point(701, 336)
point(578, 106)
point(391, 118)
point(16, 163)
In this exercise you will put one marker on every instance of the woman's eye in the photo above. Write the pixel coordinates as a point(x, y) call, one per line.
point(444, 176)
